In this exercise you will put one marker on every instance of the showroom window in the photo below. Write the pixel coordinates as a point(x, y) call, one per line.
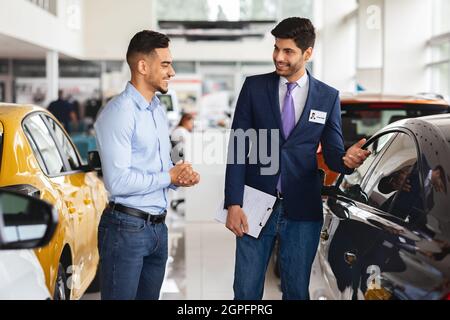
point(47, 5)
point(441, 23)
point(43, 145)
point(439, 49)
point(440, 67)
point(233, 10)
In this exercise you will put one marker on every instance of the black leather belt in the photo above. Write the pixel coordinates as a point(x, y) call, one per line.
point(138, 213)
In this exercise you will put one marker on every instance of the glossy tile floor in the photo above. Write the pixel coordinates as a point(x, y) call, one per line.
point(201, 263)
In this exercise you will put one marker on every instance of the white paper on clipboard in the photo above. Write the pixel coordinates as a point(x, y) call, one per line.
point(257, 206)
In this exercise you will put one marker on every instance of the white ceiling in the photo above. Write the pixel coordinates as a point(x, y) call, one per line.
point(17, 49)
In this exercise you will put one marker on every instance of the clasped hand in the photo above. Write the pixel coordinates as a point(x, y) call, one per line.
point(182, 175)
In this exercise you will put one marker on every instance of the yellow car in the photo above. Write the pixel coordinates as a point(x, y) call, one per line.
point(38, 158)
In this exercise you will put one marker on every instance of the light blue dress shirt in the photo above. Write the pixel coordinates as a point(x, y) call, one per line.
point(134, 146)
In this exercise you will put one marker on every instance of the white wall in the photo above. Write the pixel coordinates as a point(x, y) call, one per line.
point(370, 34)
point(110, 25)
point(23, 20)
point(407, 29)
point(369, 69)
point(249, 50)
point(335, 52)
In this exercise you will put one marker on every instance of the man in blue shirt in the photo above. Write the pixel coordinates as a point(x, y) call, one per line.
point(134, 146)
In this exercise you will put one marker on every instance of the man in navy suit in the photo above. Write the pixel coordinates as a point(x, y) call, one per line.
point(298, 112)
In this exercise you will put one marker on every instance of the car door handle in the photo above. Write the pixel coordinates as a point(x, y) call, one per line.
point(350, 257)
point(324, 235)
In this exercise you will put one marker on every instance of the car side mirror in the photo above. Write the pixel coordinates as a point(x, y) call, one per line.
point(338, 209)
point(334, 194)
point(94, 162)
point(25, 222)
point(356, 193)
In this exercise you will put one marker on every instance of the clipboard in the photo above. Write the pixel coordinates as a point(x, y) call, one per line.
point(257, 206)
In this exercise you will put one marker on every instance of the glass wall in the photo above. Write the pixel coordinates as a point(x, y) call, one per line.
point(232, 10)
point(439, 49)
point(441, 22)
point(47, 5)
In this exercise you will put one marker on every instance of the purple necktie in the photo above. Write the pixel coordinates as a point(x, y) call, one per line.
point(288, 117)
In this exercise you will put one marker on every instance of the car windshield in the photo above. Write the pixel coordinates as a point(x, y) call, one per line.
point(364, 120)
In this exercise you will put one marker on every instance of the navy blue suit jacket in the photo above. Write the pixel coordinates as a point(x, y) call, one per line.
point(258, 108)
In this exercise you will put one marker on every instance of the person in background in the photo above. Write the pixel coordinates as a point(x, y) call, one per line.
point(181, 133)
point(75, 125)
point(63, 111)
point(92, 106)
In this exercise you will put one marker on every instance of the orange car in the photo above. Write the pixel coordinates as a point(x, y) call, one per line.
point(365, 114)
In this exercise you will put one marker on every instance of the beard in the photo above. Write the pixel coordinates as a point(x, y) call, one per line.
point(163, 86)
point(159, 88)
point(163, 90)
point(288, 69)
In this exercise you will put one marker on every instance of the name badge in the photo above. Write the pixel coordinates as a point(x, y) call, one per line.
point(317, 116)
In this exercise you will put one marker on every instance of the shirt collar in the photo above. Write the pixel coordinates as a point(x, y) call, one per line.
point(139, 98)
point(300, 82)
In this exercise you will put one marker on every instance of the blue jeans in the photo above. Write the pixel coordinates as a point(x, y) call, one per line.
point(133, 256)
point(298, 246)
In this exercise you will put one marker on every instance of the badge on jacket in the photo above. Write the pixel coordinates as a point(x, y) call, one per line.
point(317, 116)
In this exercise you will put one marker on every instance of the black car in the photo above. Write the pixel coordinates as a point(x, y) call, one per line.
point(386, 232)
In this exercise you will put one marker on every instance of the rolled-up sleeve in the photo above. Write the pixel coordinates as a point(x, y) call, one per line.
point(114, 132)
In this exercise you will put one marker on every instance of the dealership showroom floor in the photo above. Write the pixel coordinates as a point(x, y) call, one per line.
point(323, 123)
point(198, 253)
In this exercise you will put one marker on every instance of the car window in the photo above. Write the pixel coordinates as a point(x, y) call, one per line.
point(68, 150)
point(394, 185)
point(357, 124)
point(364, 120)
point(43, 145)
point(353, 183)
point(36, 152)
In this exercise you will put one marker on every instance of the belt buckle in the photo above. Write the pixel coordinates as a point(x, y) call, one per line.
point(156, 218)
point(161, 218)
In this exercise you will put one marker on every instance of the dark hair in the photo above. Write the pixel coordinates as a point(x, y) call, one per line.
point(146, 42)
point(301, 30)
point(184, 118)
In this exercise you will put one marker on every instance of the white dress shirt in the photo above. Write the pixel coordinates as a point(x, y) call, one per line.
point(299, 93)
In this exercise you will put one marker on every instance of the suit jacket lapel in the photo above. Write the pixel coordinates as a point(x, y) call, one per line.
point(273, 89)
